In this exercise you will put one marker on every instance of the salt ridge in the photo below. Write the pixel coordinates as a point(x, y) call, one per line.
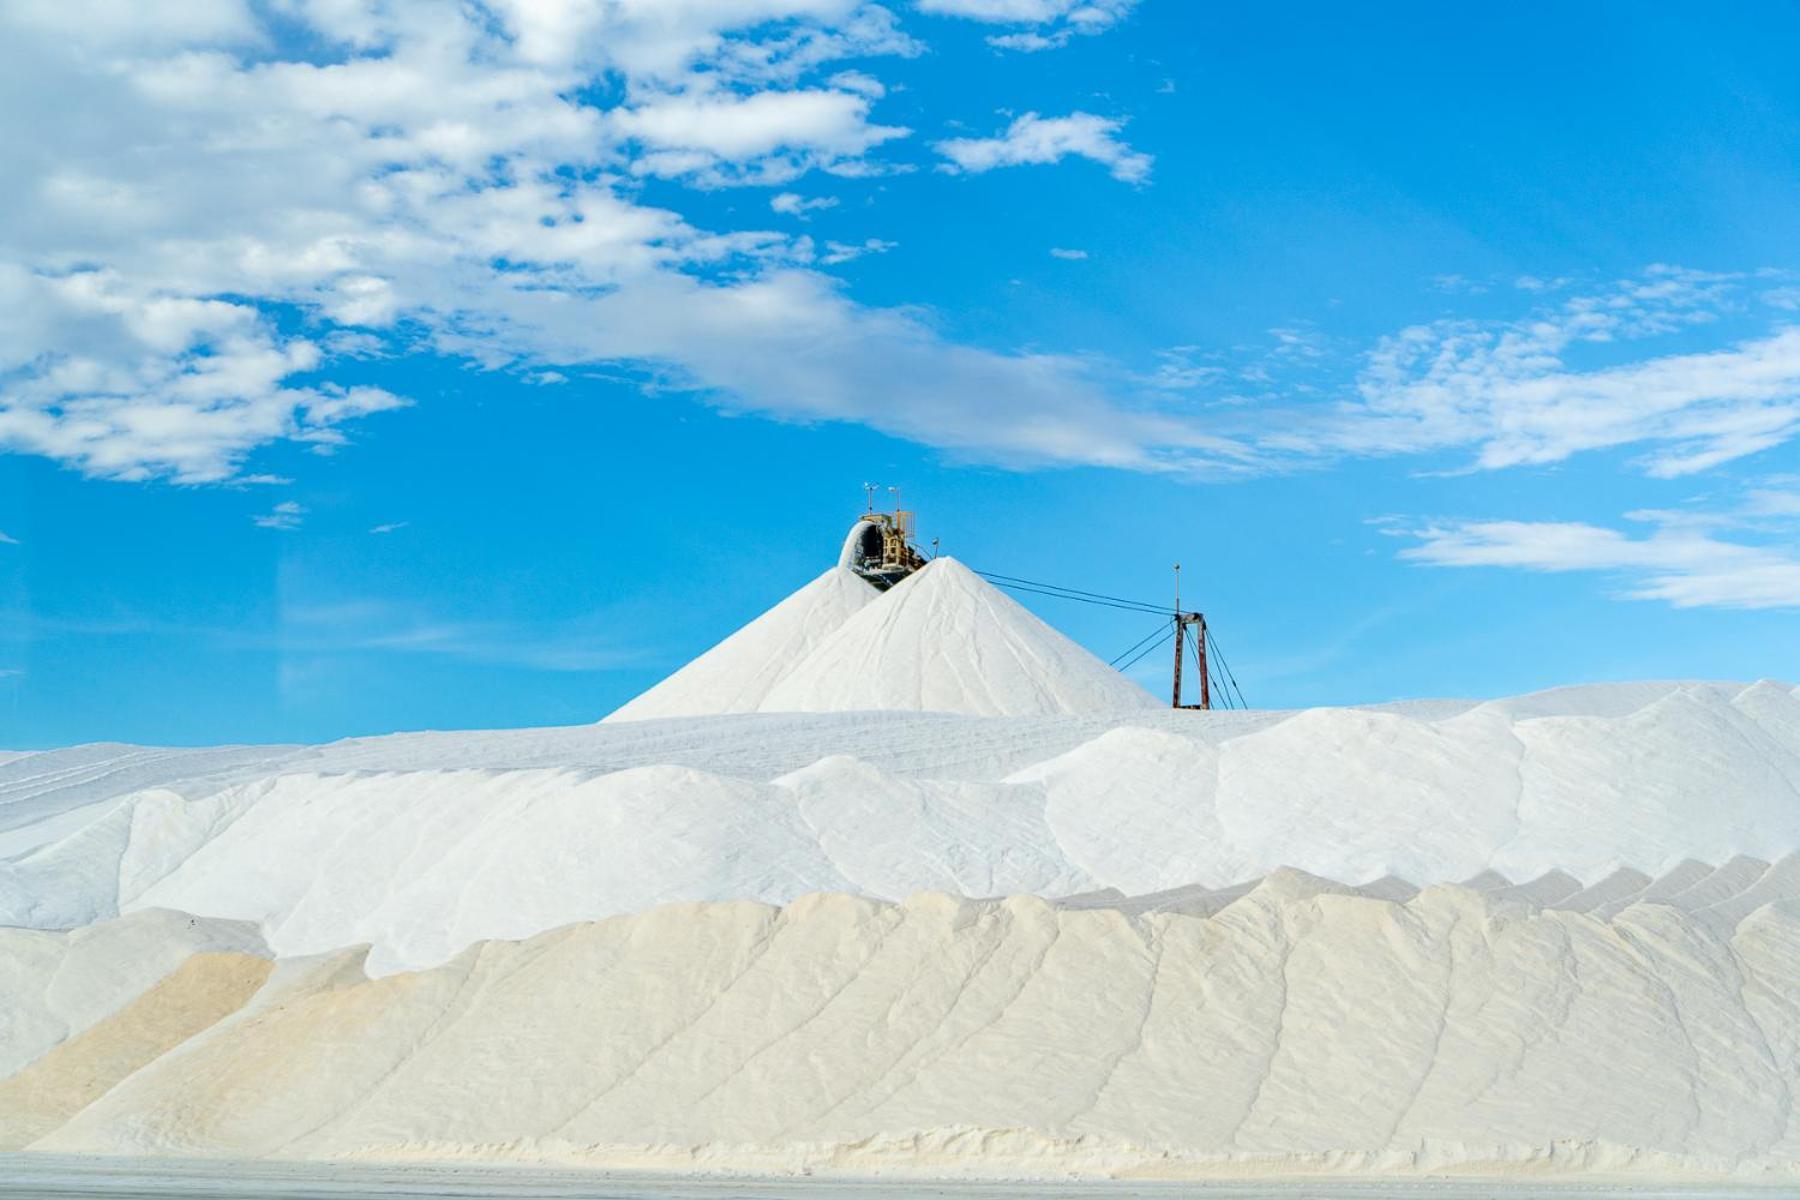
point(421, 863)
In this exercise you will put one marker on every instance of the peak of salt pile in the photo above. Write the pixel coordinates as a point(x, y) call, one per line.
point(941, 640)
point(736, 675)
point(945, 640)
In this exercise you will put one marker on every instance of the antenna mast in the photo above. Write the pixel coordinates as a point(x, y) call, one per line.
point(1180, 637)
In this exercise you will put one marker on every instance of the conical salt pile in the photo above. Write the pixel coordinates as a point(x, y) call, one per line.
point(942, 640)
point(945, 640)
point(736, 675)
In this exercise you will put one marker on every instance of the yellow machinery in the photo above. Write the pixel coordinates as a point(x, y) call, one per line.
point(879, 546)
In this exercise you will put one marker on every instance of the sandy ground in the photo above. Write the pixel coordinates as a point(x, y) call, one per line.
point(118, 1179)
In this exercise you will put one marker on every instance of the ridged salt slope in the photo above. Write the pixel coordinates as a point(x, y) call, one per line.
point(1297, 1025)
point(945, 640)
point(736, 675)
point(36, 787)
point(423, 862)
point(56, 985)
point(39, 789)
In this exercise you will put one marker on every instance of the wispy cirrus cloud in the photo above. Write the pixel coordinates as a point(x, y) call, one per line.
point(328, 627)
point(843, 252)
point(347, 626)
point(1742, 556)
point(289, 514)
point(1508, 392)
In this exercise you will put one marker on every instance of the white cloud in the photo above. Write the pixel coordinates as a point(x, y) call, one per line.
point(437, 179)
point(205, 237)
point(790, 345)
point(793, 204)
point(843, 252)
point(1178, 370)
point(1705, 553)
point(135, 27)
point(664, 42)
point(1000, 12)
point(286, 515)
point(1457, 285)
point(7, 540)
point(1295, 343)
point(1683, 566)
point(860, 82)
point(766, 136)
point(1779, 497)
point(1508, 391)
point(1029, 42)
point(1032, 139)
point(390, 527)
point(126, 383)
point(433, 166)
point(1071, 255)
point(1787, 298)
point(1055, 20)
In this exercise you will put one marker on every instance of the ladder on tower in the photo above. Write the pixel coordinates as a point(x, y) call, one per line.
point(1196, 623)
point(1184, 623)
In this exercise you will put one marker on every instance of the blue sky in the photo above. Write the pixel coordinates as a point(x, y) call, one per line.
point(369, 367)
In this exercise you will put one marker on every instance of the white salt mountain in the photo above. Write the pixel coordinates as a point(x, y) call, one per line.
point(945, 640)
point(735, 676)
point(1137, 1004)
point(942, 640)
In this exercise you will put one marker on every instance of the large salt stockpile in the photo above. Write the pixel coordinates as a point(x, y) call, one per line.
point(906, 881)
point(942, 640)
point(367, 843)
point(1298, 1027)
point(945, 640)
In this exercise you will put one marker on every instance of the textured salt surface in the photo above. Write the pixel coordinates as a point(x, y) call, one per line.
point(1299, 1024)
point(361, 842)
point(203, 990)
point(57, 985)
